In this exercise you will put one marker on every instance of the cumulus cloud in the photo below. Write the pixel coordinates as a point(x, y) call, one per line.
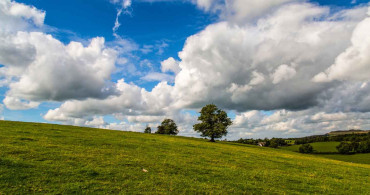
point(157, 76)
point(282, 73)
point(241, 10)
point(170, 65)
point(354, 62)
point(132, 100)
point(55, 71)
point(15, 103)
point(15, 16)
point(284, 123)
point(265, 65)
point(219, 64)
point(37, 67)
point(96, 122)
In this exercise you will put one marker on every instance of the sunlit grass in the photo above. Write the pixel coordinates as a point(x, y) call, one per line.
point(330, 147)
point(43, 158)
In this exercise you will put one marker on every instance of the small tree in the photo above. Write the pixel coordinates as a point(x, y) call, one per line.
point(306, 148)
point(273, 144)
point(168, 126)
point(214, 122)
point(148, 130)
point(345, 148)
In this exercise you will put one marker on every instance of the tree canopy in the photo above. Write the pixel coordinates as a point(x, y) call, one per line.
point(306, 148)
point(168, 126)
point(148, 130)
point(214, 122)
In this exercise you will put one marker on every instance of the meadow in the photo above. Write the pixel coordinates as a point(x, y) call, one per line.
point(328, 150)
point(319, 147)
point(55, 159)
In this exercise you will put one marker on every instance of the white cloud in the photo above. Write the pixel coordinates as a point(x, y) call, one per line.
point(1, 111)
point(96, 122)
point(17, 16)
point(354, 62)
point(241, 10)
point(257, 78)
point(261, 56)
point(230, 64)
point(131, 100)
point(38, 67)
point(282, 73)
point(220, 63)
point(123, 8)
point(157, 76)
point(15, 103)
point(283, 123)
point(123, 3)
point(55, 71)
point(209, 5)
point(144, 119)
point(170, 65)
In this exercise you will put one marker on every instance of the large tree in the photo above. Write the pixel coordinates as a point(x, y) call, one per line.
point(168, 127)
point(214, 122)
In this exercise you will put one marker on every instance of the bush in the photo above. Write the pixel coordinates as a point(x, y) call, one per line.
point(274, 144)
point(345, 148)
point(306, 148)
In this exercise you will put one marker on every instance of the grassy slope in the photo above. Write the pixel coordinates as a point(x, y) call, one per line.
point(63, 159)
point(331, 147)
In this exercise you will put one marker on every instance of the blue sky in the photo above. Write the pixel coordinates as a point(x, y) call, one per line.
point(147, 24)
point(156, 31)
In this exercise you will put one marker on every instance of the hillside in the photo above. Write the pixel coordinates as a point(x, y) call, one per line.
point(45, 158)
point(345, 132)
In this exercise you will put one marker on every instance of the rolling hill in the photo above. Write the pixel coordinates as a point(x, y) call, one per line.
point(346, 132)
point(46, 158)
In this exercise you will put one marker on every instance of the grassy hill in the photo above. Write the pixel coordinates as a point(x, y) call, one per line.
point(44, 158)
point(346, 132)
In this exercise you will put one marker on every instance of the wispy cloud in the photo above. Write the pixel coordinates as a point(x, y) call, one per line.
point(124, 8)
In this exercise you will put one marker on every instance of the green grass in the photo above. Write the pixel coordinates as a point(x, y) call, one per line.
point(353, 158)
point(54, 159)
point(330, 147)
point(318, 147)
point(290, 142)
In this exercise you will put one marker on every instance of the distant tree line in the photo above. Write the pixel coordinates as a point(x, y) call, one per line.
point(347, 147)
point(335, 138)
point(273, 143)
point(350, 143)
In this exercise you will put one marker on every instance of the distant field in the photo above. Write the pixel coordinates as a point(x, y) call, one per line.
point(354, 158)
point(54, 159)
point(290, 142)
point(330, 147)
point(317, 146)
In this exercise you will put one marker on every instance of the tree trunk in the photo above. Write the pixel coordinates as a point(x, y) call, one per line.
point(212, 139)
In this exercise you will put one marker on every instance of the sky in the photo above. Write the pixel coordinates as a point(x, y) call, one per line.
point(280, 68)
